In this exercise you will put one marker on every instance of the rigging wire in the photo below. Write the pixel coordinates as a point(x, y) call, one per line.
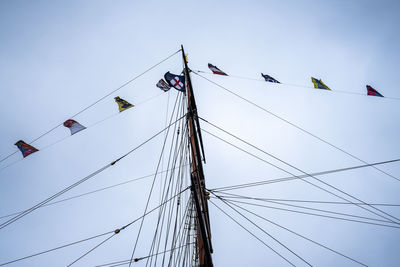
point(97, 101)
point(268, 234)
point(303, 179)
point(301, 207)
point(172, 159)
point(188, 234)
point(90, 250)
point(181, 235)
point(166, 215)
point(88, 193)
point(165, 227)
point(148, 140)
point(56, 248)
point(93, 237)
point(87, 127)
point(122, 228)
point(152, 186)
point(26, 212)
point(178, 153)
point(40, 204)
point(157, 250)
point(181, 152)
point(239, 186)
point(326, 202)
point(175, 234)
point(124, 262)
point(166, 122)
point(178, 235)
point(295, 233)
point(315, 214)
point(296, 126)
point(113, 235)
point(173, 156)
point(294, 85)
point(294, 167)
point(256, 237)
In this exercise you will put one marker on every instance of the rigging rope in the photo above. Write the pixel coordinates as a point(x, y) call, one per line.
point(315, 214)
point(178, 153)
point(124, 262)
point(296, 126)
point(98, 245)
point(256, 237)
point(97, 101)
point(239, 186)
point(152, 185)
point(26, 212)
point(87, 127)
point(294, 85)
point(301, 207)
point(88, 193)
point(319, 187)
point(40, 204)
point(300, 170)
point(164, 194)
point(56, 248)
point(264, 231)
point(327, 202)
point(92, 237)
point(302, 236)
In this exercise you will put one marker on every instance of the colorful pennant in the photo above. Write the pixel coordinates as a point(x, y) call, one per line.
point(122, 104)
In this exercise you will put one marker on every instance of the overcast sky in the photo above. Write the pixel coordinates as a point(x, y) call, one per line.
point(58, 57)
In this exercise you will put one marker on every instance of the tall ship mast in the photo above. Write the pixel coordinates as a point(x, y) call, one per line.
point(170, 216)
point(197, 174)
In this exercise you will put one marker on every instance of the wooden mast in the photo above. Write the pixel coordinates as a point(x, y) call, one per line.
point(197, 175)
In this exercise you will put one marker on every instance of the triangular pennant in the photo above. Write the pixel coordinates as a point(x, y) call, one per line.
point(74, 126)
point(269, 78)
point(372, 91)
point(319, 84)
point(122, 104)
point(25, 149)
point(216, 70)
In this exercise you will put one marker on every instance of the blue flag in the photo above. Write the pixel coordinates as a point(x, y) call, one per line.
point(176, 81)
point(269, 78)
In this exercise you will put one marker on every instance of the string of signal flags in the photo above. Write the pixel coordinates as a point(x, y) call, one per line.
point(27, 149)
point(72, 125)
point(178, 82)
point(171, 80)
point(317, 83)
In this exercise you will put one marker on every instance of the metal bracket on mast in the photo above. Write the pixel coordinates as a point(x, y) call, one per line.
point(197, 176)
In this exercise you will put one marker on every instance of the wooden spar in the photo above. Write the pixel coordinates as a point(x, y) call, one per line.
point(197, 175)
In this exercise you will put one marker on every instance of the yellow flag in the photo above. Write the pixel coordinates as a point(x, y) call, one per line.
point(122, 104)
point(319, 84)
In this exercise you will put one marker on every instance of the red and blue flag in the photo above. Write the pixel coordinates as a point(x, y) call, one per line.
point(25, 149)
point(216, 70)
point(176, 81)
point(372, 91)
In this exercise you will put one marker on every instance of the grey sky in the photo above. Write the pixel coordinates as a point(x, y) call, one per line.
point(57, 57)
